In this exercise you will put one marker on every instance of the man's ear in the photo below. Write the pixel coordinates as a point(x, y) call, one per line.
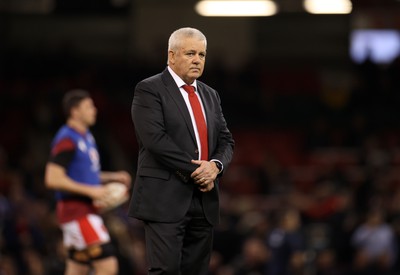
point(73, 111)
point(171, 57)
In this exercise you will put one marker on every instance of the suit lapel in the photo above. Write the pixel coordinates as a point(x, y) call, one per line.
point(176, 95)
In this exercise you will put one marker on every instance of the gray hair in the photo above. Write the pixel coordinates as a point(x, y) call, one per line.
point(176, 37)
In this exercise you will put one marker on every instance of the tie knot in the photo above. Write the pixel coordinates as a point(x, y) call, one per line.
point(189, 89)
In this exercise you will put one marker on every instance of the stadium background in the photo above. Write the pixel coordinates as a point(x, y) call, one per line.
point(316, 132)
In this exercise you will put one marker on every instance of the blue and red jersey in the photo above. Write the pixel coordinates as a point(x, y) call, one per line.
point(77, 153)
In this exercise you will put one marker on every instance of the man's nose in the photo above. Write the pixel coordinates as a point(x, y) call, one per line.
point(196, 59)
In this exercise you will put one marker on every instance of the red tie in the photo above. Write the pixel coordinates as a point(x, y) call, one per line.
point(200, 121)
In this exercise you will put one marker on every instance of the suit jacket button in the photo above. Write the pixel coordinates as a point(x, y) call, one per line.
point(196, 151)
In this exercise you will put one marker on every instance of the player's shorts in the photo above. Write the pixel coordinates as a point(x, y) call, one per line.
point(86, 231)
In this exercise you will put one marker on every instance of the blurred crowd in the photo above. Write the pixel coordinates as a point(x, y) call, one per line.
point(314, 187)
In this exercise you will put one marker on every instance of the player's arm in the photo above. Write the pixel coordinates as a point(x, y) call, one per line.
point(118, 176)
point(57, 179)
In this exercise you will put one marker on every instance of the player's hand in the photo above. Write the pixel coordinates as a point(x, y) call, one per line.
point(98, 194)
point(123, 177)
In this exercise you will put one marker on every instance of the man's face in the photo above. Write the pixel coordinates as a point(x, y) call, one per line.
point(86, 112)
point(188, 61)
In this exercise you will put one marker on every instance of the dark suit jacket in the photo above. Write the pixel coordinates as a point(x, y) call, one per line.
point(163, 187)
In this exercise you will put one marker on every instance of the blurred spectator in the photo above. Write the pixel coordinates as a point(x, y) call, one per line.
point(252, 259)
point(286, 244)
point(322, 203)
point(375, 245)
point(326, 264)
point(7, 265)
point(216, 263)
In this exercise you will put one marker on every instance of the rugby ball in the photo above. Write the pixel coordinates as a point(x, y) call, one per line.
point(117, 194)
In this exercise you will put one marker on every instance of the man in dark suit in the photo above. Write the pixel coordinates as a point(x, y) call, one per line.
point(184, 147)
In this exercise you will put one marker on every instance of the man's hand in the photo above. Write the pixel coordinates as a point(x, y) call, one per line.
point(205, 174)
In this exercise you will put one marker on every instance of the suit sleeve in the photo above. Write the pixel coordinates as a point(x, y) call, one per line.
point(147, 116)
point(225, 142)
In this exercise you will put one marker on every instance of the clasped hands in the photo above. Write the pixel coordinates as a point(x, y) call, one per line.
point(205, 175)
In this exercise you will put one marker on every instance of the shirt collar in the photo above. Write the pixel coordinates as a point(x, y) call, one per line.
point(179, 82)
